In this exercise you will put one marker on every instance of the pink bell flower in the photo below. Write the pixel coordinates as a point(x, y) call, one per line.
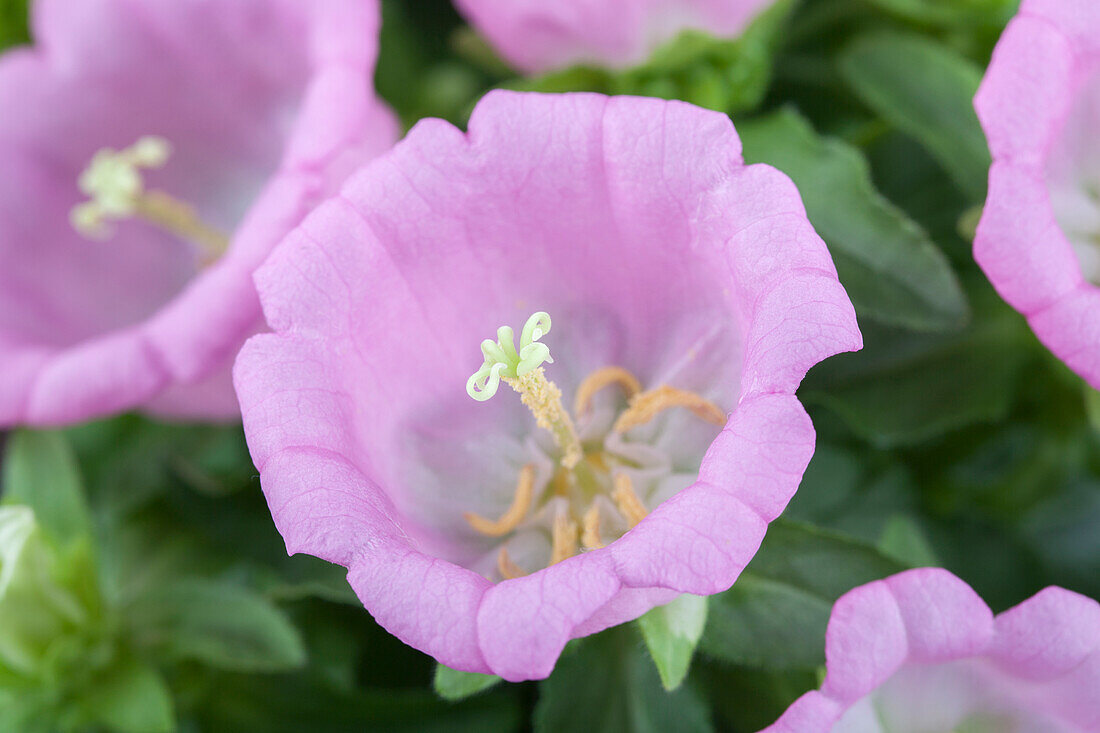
point(538, 36)
point(1039, 236)
point(920, 651)
point(689, 296)
point(152, 154)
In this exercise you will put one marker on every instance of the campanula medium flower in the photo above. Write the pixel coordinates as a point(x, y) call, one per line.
point(152, 155)
point(920, 651)
point(540, 36)
point(1039, 237)
point(634, 427)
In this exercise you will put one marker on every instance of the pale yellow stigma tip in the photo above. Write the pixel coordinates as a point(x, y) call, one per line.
point(521, 503)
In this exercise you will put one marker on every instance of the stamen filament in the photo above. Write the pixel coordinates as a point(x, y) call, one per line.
point(599, 379)
point(508, 569)
point(563, 537)
point(543, 398)
point(591, 536)
point(647, 405)
point(180, 219)
point(627, 501)
point(521, 503)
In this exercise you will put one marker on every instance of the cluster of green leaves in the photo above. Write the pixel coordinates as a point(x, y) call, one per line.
point(952, 439)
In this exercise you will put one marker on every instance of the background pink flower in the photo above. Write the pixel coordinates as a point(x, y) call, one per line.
point(539, 36)
point(637, 225)
point(920, 651)
point(1039, 237)
point(267, 105)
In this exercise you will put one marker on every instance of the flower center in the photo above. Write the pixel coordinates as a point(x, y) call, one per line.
point(590, 498)
point(116, 191)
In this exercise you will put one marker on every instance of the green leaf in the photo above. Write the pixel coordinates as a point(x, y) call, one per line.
point(904, 388)
point(40, 472)
point(890, 268)
point(13, 22)
point(951, 12)
point(925, 90)
point(296, 703)
point(47, 598)
point(774, 616)
point(767, 623)
point(454, 685)
point(671, 632)
point(903, 540)
point(606, 684)
point(218, 624)
point(130, 697)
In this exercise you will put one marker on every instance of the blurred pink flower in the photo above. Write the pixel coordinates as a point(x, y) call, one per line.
point(1039, 237)
point(267, 105)
point(637, 225)
point(536, 36)
point(920, 651)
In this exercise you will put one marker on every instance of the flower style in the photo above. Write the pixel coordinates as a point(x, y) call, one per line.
point(538, 36)
point(1039, 236)
point(920, 651)
point(159, 152)
point(683, 284)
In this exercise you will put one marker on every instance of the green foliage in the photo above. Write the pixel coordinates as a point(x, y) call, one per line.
point(904, 388)
point(888, 265)
point(129, 697)
point(925, 90)
point(13, 22)
point(671, 633)
point(607, 684)
point(218, 624)
point(291, 704)
point(774, 616)
point(728, 75)
point(40, 472)
point(453, 685)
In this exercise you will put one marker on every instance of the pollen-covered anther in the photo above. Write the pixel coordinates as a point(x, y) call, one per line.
point(599, 379)
point(543, 398)
point(647, 405)
point(563, 537)
point(508, 569)
point(521, 503)
point(625, 498)
point(590, 537)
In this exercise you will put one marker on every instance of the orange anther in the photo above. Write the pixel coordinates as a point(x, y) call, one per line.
point(564, 536)
point(508, 569)
point(599, 379)
point(525, 491)
point(590, 539)
point(629, 504)
point(647, 405)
